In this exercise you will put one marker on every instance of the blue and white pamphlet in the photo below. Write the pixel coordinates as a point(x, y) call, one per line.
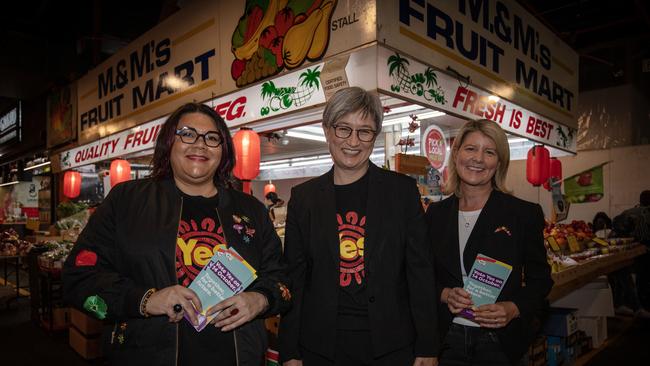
point(226, 275)
point(485, 281)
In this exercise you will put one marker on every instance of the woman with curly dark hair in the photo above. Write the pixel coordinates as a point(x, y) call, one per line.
point(146, 243)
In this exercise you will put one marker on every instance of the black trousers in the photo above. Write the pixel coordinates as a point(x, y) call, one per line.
point(471, 346)
point(354, 348)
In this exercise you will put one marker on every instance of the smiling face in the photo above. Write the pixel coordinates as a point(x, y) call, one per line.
point(350, 155)
point(194, 165)
point(476, 160)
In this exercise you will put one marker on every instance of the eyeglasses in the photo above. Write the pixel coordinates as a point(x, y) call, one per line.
point(363, 134)
point(189, 135)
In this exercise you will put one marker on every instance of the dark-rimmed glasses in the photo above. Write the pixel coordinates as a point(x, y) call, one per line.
point(189, 135)
point(363, 134)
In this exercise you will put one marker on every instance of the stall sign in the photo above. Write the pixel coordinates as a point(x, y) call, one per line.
point(423, 84)
point(213, 48)
point(173, 63)
point(290, 92)
point(434, 145)
point(496, 45)
point(586, 186)
point(135, 139)
point(62, 115)
point(275, 36)
point(10, 126)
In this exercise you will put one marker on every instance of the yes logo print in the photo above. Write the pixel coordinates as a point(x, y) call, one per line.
point(195, 245)
point(351, 248)
point(275, 34)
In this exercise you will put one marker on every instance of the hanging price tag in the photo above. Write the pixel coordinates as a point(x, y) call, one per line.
point(601, 242)
point(553, 243)
point(573, 244)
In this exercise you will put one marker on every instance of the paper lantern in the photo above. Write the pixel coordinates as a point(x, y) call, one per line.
point(120, 171)
point(71, 184)
point(537, 165)
point(554, 172)
point(247, 156)
point(270, 187)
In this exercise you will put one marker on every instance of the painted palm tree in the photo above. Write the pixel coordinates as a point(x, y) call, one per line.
point(279, 98)
point(309, 82)
point(430, 78)
point(397, 69)
point(563, 137)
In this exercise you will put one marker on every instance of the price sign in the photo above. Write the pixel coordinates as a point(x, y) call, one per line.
point(573, 244)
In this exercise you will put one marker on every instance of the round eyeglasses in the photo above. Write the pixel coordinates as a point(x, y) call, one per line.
point(189, 135)
point(363, 134)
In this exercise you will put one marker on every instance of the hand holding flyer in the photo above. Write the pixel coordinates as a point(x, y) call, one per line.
point(226, 275)
point(485, 281)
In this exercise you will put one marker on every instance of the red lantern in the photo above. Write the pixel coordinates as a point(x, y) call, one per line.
point(71, 184)
point(247, 156)
point(270, 187)
point(120, 171)
point(554, 172)
point(537, 165)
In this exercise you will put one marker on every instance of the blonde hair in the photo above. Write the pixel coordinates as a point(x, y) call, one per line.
point(495, 133)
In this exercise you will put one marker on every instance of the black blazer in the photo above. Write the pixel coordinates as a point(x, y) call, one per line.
point(398, 265)
point(520, 245)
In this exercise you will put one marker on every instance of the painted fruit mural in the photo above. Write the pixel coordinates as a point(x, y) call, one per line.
point(277, 34)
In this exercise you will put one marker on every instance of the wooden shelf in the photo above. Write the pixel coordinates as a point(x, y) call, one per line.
point(579, 275)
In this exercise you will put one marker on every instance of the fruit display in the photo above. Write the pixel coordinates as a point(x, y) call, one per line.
point(560, 253)
point(56, 252)
point(274, 34)
point(561, 232)
point(11, 244)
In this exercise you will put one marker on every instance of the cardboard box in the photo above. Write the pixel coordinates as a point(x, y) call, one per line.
point(595, 327)
point(84, 323)
point(592, 299)
point(88, 348)
point(561, 322)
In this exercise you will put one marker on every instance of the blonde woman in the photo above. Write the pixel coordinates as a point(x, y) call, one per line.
point(481, 216)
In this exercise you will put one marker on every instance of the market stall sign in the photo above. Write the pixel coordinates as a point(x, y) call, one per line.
point(435, 147)
point(290, 92)
point(174, 63)
point(423, 84)
point(496, 45)
point(135, 139)
point(10, 126)
point(212, 48)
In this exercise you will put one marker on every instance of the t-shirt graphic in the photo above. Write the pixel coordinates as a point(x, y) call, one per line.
point(351, 248)
point(196, 243)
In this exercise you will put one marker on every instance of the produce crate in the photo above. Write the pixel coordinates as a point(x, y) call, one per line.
point(88, 348)
point(85, 324)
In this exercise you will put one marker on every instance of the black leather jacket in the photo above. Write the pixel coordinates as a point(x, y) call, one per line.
point(133, 234)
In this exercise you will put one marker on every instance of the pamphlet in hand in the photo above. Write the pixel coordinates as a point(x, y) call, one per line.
point(485, 281)
point(226, 275)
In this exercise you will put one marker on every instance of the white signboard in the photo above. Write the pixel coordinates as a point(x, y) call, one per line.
point(288, 93)
point(212, 48)
point(136, 139)
point(496, 43)
point(423, 84)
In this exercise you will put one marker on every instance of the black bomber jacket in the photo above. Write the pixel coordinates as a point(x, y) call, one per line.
point(129, 246)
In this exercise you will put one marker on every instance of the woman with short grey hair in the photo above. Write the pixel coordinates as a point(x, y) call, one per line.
point(357, 247)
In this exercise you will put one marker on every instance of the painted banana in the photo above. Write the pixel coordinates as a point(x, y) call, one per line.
point(322, 33)
point(298, 40)
point(245, 51)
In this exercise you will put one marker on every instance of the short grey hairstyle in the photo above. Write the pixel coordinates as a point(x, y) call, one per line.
point(352, 100)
